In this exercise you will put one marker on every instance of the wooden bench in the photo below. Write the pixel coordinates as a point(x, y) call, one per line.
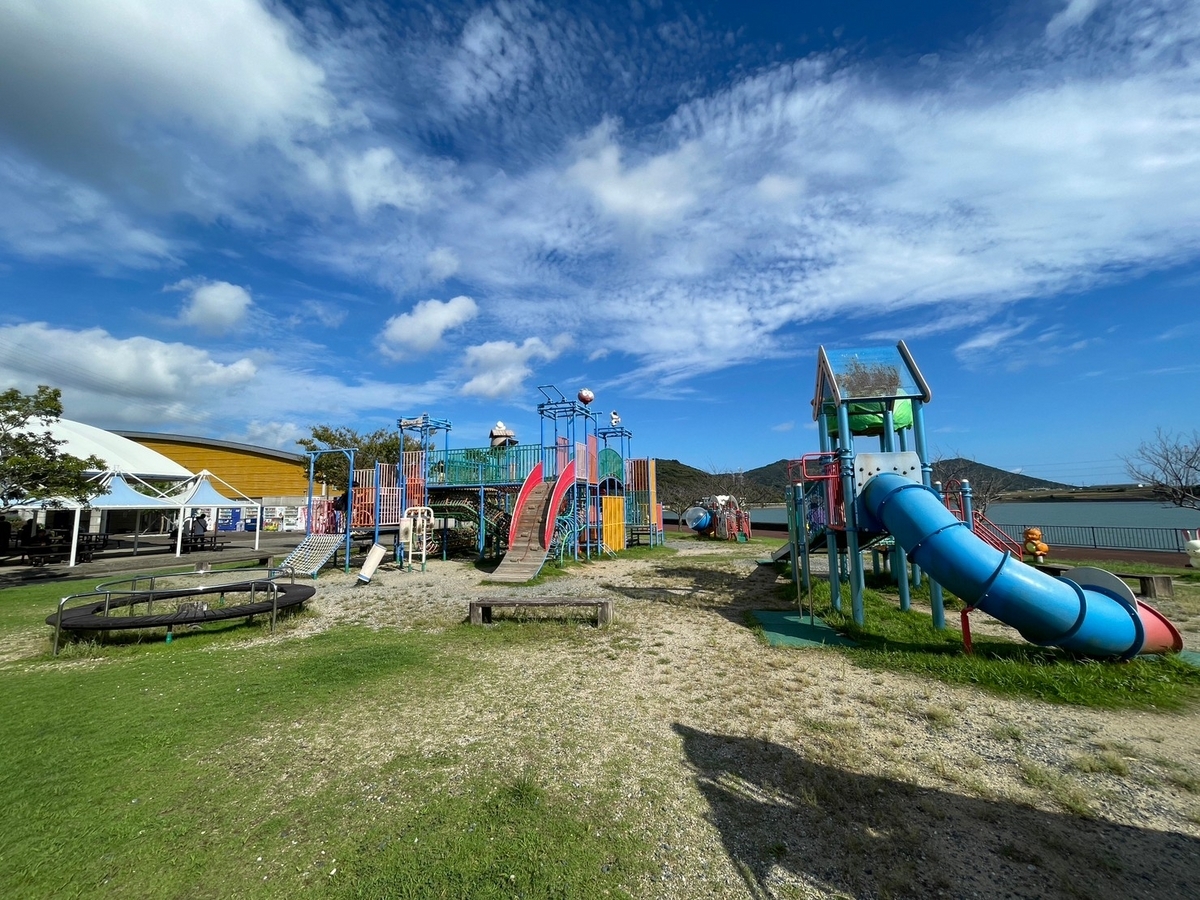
point(481, 610)
point(1051, 569)
point(1152, 587)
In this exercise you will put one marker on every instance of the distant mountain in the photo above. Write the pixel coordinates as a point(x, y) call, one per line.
point(981, 474)
point(766, 484)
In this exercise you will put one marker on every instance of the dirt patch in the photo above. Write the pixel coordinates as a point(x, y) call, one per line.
point(776, 772)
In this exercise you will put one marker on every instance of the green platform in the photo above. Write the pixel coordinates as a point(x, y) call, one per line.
point(1191, 657)
point(789, 629)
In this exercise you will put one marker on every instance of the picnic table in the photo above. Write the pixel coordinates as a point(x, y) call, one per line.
point(204, 542)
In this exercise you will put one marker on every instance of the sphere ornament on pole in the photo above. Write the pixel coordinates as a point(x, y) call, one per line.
point(585, 396)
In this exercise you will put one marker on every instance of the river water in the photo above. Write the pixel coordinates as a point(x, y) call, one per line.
point(1100, 513)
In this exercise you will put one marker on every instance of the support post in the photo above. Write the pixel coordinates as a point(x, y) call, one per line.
point(936, 602)
point(846, 470)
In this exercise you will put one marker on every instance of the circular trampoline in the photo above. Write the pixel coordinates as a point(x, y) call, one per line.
point(187, 599)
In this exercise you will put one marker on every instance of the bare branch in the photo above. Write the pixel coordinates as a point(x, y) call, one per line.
point(1170, 466)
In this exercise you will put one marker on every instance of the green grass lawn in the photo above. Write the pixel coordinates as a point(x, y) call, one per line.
point(908, 642)
point(197, 769)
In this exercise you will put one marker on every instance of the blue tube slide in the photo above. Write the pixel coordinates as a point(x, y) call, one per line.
point(1046, 610)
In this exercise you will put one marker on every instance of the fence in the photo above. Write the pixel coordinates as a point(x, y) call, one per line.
point(1104, 537)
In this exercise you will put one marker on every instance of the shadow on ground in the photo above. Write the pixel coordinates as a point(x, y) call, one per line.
point(730, 593)
point(869, 836)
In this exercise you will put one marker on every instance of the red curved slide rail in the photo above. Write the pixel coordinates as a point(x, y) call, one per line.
point(565, 480)
point(532, 480)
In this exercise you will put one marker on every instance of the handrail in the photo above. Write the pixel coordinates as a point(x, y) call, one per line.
point(987, 530)
point(135, 594)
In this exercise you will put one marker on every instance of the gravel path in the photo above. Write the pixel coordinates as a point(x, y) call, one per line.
point(764, 772)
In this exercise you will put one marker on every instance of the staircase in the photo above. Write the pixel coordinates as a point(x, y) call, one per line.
point(527, 552)
point(313, 552)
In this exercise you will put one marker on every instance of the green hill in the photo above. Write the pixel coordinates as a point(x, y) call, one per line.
point(679, 483)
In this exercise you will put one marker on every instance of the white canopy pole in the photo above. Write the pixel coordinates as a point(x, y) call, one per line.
point(75, 536)
point(137, 530)
point(258, 526)
point(179, 534)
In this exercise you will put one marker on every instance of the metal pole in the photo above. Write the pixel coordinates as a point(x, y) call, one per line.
point(854, 560)
point(936, 602)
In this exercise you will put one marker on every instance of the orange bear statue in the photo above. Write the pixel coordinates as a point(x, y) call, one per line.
point(1034, 545)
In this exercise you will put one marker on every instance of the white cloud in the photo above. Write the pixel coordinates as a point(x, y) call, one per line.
point(327, 315)
point(663, 187)
point(420, 330)
point(377, 178)
point(118, 378)
point(989, 340)
point(880, 193)
point(281, 435)
point(213, 307)
point(776, 187)
point(442, 262)
point(496, 53)
point(230, 65)
point(46, 217)
point(499, 368)
point(1075, 13)
point(783, 426)
point(145, 384)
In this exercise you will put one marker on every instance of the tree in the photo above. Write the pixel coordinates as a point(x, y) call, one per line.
point(988, 483)
point(377, 446)
point(1170, 465)
point(31, 464)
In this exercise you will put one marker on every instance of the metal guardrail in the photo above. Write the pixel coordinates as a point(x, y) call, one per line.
point(505, 465)
point(146, 588)
point(1104, 537)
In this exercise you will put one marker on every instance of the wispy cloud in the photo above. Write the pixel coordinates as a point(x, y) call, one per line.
point(560, 169)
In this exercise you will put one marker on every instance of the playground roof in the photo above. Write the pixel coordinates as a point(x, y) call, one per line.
point(120, 495)
point(867, 374)
point(200, 492)
point(119, 454)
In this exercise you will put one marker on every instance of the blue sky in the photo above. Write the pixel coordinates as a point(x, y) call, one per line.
point(240, 219)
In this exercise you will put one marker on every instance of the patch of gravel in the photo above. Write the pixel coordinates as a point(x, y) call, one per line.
point(773, 772)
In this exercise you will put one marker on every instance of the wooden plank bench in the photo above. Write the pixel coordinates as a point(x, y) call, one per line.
point(481, 610)
point(1152, 587)
point(1051, 569)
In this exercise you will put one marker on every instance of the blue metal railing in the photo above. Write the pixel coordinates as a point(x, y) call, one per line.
point(1104, 537)
point(500, 465)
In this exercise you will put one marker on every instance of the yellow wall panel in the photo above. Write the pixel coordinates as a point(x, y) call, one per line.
point(254, 474)
point(613, 511)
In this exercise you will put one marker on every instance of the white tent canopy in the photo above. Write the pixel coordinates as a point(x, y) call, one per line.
point(199, 491)
point(119, 495)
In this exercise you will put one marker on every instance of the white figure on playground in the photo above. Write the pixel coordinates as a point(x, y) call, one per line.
point(1191, 546)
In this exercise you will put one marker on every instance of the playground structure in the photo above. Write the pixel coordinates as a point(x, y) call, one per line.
point(576, 492)
point(720, 517)
point(184, 599)
point(845, 500)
